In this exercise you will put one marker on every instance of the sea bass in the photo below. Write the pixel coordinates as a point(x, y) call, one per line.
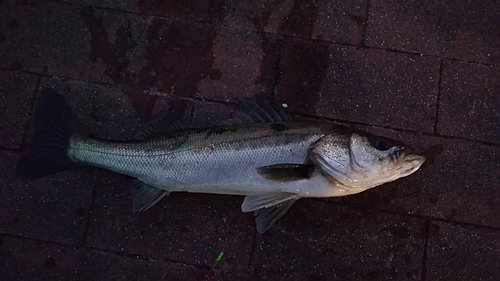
point(258, 152)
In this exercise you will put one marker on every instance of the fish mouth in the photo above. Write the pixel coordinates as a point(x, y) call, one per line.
point(411, 163)
point(405, 154)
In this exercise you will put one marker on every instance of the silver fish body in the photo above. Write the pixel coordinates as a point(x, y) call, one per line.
point(219, 160)
point(259, 153)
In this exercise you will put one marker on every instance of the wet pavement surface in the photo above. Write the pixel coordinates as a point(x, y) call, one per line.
point(424, 72)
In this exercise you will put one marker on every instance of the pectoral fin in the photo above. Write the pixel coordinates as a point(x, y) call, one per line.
point(286, 172)
point(268, 207)
point(145, 196)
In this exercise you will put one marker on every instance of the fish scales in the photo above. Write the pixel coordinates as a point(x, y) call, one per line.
point(214, 160)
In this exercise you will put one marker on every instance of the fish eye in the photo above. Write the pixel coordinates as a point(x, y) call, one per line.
point(381, 143)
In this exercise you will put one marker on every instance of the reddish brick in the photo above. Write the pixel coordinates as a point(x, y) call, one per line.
point(456, 183)
point(7, 164)
point(466, 30)
point(175, 57)
point(469, 104)
point(190, 228)
point(458, 252)
point(360, 85)
point(23, 259)
point(318, 240)
point(197, 10)
point(70, 41)
point(159, 60)
point(53, 208)
point(339, 21)
point(16, 94)
point(245, 65)
point(194, 60)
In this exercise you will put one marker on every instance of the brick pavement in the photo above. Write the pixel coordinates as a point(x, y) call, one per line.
point(425, 72)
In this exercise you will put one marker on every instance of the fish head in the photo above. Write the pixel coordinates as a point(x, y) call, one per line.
point(359, 161)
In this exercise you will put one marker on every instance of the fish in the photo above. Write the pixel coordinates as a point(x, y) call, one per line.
point(257, 152)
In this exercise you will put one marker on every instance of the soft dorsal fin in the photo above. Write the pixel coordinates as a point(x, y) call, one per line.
point(250, 112)
point(159, 124)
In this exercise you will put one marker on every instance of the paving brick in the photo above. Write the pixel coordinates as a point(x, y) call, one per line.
point(175, 57)
point(196, 69)
point(22, 259)
point(9, 160)
point(194, 60)
point(456, 183)
point(183, 227)
point(466, 30)
point(469, 104)
point(70, 41)
point(458, 252)
point(197, 10)
point(53, 208)
point(338, 21)
point(361, 85)
point(115, 113)
point(16, 94)
point(245, 65)
point(319, 240)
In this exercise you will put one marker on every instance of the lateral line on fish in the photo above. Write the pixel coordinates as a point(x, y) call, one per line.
point(89, 149)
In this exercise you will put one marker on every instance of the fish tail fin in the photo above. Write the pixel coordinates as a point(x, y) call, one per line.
point(55, 124)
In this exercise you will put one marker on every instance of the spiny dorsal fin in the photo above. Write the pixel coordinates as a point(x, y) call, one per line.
point(145, 196)
point(159, 124)
point(251, 112)
point(286, 172)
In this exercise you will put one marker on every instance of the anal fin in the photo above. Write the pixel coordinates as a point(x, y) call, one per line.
point(266, 217)
point(268, 207)
point(145, 196)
